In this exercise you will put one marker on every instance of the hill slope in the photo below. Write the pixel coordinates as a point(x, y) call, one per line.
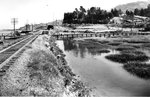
point(133, 5)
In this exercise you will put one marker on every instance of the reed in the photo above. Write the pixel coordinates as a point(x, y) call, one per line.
point(103, 51)
point(139, 69)
point(114, 44)
point(122, 48)
point(128, 56)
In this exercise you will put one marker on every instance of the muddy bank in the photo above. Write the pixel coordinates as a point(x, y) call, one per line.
point(42, 71)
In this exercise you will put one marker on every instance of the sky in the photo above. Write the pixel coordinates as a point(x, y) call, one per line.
point(43, 11)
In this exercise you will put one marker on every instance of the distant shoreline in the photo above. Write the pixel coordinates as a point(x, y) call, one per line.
point(6, 29)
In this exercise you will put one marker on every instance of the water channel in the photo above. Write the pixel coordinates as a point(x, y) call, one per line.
point(103, 76)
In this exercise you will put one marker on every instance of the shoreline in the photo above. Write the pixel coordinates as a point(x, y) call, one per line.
point(84, 90)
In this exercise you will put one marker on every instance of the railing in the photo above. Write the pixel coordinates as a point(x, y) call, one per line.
point(100, 34)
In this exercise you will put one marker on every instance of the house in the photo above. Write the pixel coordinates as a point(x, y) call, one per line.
point(116, 20)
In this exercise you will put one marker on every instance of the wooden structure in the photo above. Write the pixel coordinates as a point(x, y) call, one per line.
point(102, 34)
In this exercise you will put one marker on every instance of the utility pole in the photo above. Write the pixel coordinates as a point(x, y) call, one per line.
point(32, 28)
point(14, 21)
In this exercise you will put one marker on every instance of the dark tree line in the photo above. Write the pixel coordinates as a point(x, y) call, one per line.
point(93, 15)
point(142, 12)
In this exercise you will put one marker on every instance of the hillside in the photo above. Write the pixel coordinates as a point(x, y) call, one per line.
point(133, 5)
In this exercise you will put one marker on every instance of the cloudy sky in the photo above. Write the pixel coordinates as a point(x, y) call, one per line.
point(37, 11)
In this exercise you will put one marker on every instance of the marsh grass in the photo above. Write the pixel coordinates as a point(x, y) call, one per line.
point(97, 41)
point(103, 41)
point(103, 51)
point(114, 44)
point(128, 56)
point(137, 41)
point(146, 45)
point(133, 61)
point(123, 48)
point(136, 46)
point(139, 69)
point(94, 44)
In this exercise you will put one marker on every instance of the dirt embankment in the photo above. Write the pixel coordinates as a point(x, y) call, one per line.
point(42, 71)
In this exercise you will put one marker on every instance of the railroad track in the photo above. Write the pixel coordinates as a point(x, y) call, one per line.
point(9, 55)
point(14, 42)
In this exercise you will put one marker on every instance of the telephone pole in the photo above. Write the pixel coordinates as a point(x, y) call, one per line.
point(14, 21)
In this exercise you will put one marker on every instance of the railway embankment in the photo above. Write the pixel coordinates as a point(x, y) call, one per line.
point(42, 71)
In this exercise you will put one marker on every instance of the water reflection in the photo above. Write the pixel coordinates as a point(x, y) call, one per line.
point(80, 47)
point(109, 78)
point(69, 45)
point(77, 49)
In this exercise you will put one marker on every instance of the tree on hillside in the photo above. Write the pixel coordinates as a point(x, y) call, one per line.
point(143, 12)
point(92, 15)
point(68, 18)
point(76, 15)
point(148, 11)
point(82, 14)
point(130, 17)
point(115, 12)
point(136, 11)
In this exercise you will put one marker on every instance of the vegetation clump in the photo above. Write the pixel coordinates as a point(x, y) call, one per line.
point(94, 15)
point(103, 51)
point(137, 41)
point(146, 45)
point(124, 48)
point(114, 44)
point(133, 61)
point(128, 56)
point(139, 69)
